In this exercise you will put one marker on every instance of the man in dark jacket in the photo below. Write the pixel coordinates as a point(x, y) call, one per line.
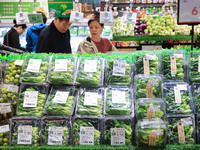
point(55, 38)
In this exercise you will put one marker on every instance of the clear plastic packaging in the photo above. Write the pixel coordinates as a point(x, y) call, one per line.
point(118, 100)
point(1, 75)
point(90, 102)
point(93, 130)
point(9, 94)
point(148, 86)
point(194, 67)
point(178, 98)
point(174, 65)
point(90, 71)
point(62, 69)
point(35, 68)
point(181, 129)
point(147, 62)
point(55, 131)
point(32, 99)
point(118, 131)
point(4, 135)
point(149, 108)
point(151, 132)
point(198, 129)
point(195, 89)
point(119, 68)
point(61, 101)
point(25, 131)
point(6, 113)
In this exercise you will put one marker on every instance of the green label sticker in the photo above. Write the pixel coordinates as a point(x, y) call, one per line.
point(35, 18)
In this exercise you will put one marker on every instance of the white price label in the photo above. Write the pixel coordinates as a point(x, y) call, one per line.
point(182, 87)
point(87, 135)
point(154, 108)
point(90, 65)
point(91, 99)
point(157, 132)
point(119, 67)
point(177, 95)
point(24, 135)
point(153, 82)
point(186, 121)
point(61, 97)
point(34, 65)
point(117, 136)
point(151, 57)
point(55, 135)
point(5, 108)
point(178, 54)
point(30, 99)
point(118, 96)
point(13, 88)
point(18, 62)
point(61, 65)
point(4, 128)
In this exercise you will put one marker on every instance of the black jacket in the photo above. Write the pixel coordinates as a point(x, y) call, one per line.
point(12, 39)
point(51, 40)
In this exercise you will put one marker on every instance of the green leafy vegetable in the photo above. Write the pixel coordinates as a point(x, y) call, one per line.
point(194, 74)
point(196, 98)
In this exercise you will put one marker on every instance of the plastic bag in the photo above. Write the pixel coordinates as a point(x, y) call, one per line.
point(6, 113)
point(62, 69)
point(194, 67)
point(148, 86)
point(118, 101)
point(31, 99)
point(25, 131)
point(4, 135)
point(90, 102)
point(195, 89)
point(55, 131)
point(119, 69)
point(35, 68)
point(61, 101)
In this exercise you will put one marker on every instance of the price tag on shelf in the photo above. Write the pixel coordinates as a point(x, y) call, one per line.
point(130, 17)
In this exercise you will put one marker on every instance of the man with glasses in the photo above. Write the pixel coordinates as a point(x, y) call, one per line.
point(55, 38)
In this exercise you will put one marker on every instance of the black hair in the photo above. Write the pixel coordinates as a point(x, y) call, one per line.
point(18, 25)
point(63, 18)
point(95, 17)
point(43, 16)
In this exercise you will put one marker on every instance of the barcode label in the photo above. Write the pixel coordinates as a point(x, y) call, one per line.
point(34, 65)
point(5, 108)
point(119, 67)
point(61, 65)
point(186, 121)
point(117, 136)
point(4, 128)
point(91, 99)
point(30, 99)
point(24, 135)
point(55, 136)
point(61, 97)
point(87, 135)
point(18, 62)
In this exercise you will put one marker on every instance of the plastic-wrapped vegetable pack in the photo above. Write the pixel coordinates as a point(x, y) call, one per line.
point(198, 129)
point(173, 65)
point(13, 71)
point(32, 99)
point(118, 131)
point(35, 68)
point(119, 69)
point(6, 113)
point(195, 88)
point(118, 101)
point(148, 86)
point(194, 67)
point(147, 62)
point(55, 131)
point(181, 129)
point(4, 135)
point(1, 73)
point(151, 132)
point(90, 102)
point(178, 98)
point(9, 94)
point(90, 71)
point(83, 126)
point(25, 131)
point(61, 101)
point(148, 108)
point(62, 69)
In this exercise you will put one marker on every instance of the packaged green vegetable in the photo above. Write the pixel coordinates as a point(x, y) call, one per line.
point(118, 101)
point(148, 86)
point(6, 113)
point(9, 94)
point(61, 101)
point(25, 131)
point(198, 129)
point(119, 69)
point(195, 88)
point(62, 69)
point(181, 129)
point(1, 70)
point(148, 108)
point(194, 67)
point(90, 71)
point(86, 131)
point(90, 102)
point(32, 99)
point(35, 68)
point(55, 131)
point(173, 65)
point(151, 132)
point(147, 62)
point(118, 131)
point(4, 135)
point(178, 98)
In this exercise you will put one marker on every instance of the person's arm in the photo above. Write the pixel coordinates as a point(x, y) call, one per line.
point(15, 41)
point(29, 45)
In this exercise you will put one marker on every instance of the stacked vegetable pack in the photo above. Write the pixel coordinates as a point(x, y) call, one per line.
point(142, 98)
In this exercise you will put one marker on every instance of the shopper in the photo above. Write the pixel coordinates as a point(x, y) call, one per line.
point(55, 38)
point(33, 33)
point(12, 36)
point(95, 43)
